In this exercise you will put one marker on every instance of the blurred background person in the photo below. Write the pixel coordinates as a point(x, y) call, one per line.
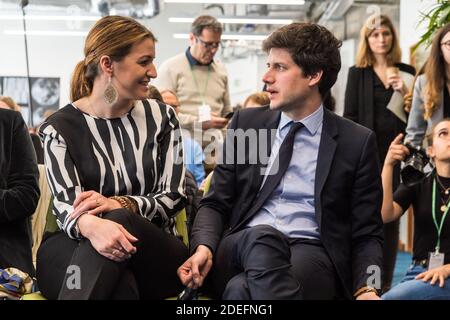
point(431, 98)
point(257, 99)
point(193, 153)
point(374, 98)
point(19, 192)
point(201, 85)
point(8, 103)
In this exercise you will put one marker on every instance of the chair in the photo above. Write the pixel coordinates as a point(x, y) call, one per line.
point(39, 218)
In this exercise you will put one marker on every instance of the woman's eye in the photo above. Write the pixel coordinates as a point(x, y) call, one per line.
point(443, 133)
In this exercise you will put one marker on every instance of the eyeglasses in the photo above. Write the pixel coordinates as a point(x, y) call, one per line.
point(446, 44)
point(209, 45)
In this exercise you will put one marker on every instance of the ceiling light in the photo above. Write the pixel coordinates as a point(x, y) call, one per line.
point(257, 37)
point(54, 18)
point(274, 2)
point(238, 20)
point(46, 33)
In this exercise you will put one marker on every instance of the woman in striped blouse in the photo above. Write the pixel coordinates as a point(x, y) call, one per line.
point(114, 165)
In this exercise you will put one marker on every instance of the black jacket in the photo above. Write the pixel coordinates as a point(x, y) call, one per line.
point(359, 94)
point(19, 192)
point(348, 193)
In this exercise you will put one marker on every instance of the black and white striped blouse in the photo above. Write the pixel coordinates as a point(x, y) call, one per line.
point(139, 155)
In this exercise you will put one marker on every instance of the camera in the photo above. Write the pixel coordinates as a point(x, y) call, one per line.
point(415, 162)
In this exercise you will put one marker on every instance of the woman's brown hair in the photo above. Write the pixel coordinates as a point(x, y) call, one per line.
point(10, 102)
point(365, 57)
point(435, 74)
point(112, 36)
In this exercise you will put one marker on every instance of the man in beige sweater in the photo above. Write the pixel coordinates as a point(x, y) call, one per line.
point(201, 85)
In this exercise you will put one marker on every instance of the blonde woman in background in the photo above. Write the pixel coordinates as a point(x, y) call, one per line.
point(431, 98)
point(8, 103)
point(374, 98)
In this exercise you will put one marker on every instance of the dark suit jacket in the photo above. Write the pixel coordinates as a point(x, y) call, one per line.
point(19, 192)
point(348, 193)
point(359, 95)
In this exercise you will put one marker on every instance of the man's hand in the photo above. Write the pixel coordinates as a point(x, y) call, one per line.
point(215, 122)
point(194, 270)
point(368, 296)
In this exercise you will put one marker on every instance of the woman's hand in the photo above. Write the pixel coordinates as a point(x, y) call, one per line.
point(397, 84)
point(93, 203)
point(440, 273)
point(397, 151)
point(108, 238)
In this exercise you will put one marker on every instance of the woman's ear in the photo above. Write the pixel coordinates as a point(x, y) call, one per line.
point(105, 64)
point(430, 152)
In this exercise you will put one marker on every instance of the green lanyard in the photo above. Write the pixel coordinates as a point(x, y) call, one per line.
point(433, 210)
point(206, 83)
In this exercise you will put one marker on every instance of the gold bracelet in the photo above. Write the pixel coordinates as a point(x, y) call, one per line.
point(362, 290)
point(125, 202)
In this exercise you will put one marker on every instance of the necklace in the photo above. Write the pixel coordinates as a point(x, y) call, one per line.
point(446, 190)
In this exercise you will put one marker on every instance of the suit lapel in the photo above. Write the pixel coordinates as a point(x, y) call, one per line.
point(269, 128)
point(269, 125)
point(325, 157)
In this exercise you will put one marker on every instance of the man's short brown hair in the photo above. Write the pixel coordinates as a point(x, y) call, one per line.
point(206, 22)
point(312, 47)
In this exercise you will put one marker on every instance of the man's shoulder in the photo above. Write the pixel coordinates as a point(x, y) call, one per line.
point(178, 60)
point(347, 127)
point(255, 118)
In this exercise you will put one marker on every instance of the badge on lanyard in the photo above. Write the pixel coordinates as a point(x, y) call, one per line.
point(204, 113)
point(435, 260)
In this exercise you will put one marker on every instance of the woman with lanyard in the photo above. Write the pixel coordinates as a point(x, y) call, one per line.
point(427, 277)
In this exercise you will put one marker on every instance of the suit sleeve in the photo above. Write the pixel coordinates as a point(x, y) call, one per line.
point(20, 198)
point(367, 232)
point(351, 96)
point(216, 206)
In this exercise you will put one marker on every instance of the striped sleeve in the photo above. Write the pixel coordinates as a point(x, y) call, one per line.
point(62, 178)
point(169, 197)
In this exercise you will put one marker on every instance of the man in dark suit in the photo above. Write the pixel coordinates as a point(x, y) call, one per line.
point(307, 225)
point(19, 192)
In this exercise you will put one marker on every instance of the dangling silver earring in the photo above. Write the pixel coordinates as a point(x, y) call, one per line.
point(110, 95)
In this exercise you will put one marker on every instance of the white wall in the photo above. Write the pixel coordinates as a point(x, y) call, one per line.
point(410, 31)
point(56, 56)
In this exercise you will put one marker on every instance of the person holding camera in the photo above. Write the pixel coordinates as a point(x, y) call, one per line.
point(431, 98)
point(374, 98)
point(427, 277)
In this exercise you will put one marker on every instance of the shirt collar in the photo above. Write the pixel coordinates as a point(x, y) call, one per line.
point(193, 61)
point(311, 122)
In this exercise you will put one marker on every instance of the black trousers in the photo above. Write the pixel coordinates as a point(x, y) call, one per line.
point(149, 274)
point(261, 263)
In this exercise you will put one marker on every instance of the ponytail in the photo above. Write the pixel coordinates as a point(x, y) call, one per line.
point(80, 85)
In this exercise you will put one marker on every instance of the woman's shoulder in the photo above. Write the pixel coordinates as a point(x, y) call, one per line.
point(406, 68)
point(65, 116)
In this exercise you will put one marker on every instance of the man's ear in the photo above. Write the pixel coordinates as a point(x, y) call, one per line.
point(192, 39)
point(106, 65)
point(315, 78)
